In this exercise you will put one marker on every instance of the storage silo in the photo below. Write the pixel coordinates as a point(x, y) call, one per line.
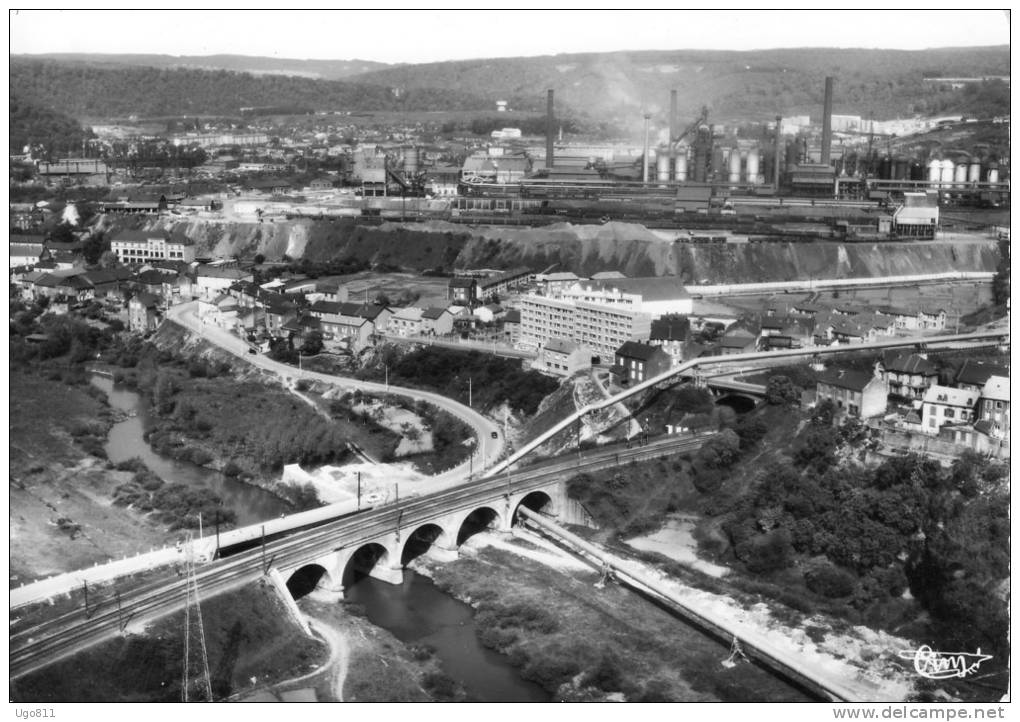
point(752, 167)
point(947, 171)
point(662, 166)
point(974, 170)
point(900, 168)
point(916, 171)
point(734, 165)
point(885, 168)
point(791, 156)
point(993, 171)
point(934, 170)
point(680, 164)
point(960, 174)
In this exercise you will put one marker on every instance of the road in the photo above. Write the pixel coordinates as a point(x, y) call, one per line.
point(32, 648)
point(490, 449)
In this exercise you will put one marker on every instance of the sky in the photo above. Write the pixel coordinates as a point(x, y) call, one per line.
point(421, 36)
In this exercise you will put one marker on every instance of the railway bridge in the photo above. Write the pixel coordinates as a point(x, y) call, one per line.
point(438, 532)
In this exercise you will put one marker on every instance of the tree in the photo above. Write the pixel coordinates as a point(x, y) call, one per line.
point(780, 391)
point(312, 344)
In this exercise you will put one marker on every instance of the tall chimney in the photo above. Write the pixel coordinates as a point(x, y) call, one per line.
point(644, 158)
point(779, 145)
point(673, 132)
point(827, 122)
point(550, 130)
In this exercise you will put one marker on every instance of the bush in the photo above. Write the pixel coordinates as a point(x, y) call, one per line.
point(232, 469)
point(830, 581)
point(198, 456)
point(303, 385)
point(765, 553)
point(439, 686)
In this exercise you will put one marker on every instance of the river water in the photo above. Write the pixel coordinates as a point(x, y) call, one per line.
point(126, 440)
point(416, 612)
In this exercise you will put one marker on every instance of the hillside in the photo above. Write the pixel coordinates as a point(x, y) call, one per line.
point(31, 124)
point(610, 87)
point(585, 250)
point(96, 91)
point(257, 65)
point(752, 85)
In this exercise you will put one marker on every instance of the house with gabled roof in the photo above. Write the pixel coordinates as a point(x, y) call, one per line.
point(993, 406)
point(946, 405)
point(436, 321)
point(561, 357)
point(859, 393)
point(406, 321)
point(909, 375)
point(636, 362)
point(973, 375)
point(143, 312)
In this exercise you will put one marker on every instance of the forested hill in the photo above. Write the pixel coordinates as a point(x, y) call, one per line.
point(257, 65)
point(31, 125)
point(754, 84)
point(95, 91)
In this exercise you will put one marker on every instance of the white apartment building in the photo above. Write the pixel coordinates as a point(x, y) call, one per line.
point(601, 316)
point(145, 246)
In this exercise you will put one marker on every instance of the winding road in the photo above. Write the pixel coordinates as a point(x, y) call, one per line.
point(488, 434)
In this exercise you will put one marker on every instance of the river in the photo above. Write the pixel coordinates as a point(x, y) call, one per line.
point(126, 440)
point(416, 612)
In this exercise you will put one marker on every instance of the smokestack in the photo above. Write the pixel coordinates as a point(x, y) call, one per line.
point(779, 145)
point(674, 131)
point(827, 122)
point(550, 130)
point(644, 159)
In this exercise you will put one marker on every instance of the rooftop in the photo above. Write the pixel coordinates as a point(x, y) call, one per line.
point(949, 396)
point(844, 379)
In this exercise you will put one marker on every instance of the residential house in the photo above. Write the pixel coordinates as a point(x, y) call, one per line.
point(944, 404)
point(278, 313)
point(931, 319)
point(504, 282)
point(222, 311)
point(143, 313)
point(377, 315)
point(637, 362)
point(406, 321)
point(973, 375)
point(908, 374)
point(462, 291)
point(489, 312)
point(211, 281)
point(993, 406)
point(76, 288)
point(109, 281)
point(736, 340)
point(859, 393)
point(512, 327)
point(436, 321)
point(26, 250)
point(560, 357)
point(670, 333)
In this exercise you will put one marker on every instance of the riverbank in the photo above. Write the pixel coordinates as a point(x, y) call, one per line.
point(586, 624)
point(61, 515)
point(584, 640)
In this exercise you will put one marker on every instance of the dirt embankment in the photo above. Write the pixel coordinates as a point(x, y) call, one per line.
point(582, 249)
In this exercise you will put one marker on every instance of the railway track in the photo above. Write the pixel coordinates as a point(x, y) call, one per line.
point(42, 644)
